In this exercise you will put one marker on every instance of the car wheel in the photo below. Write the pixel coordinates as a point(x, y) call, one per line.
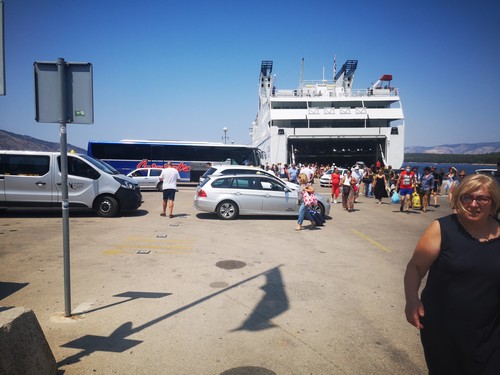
point(227, 210)
point(107, 206)
point(159, 187)
point(319, 208)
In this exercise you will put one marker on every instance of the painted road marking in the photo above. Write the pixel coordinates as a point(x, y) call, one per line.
point(373, 242)
point(130, 245)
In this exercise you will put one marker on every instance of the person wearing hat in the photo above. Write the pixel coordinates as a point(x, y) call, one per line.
point(450, 179)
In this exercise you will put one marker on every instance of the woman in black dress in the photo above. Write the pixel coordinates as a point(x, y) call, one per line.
point(459, 310)
point(380, 186)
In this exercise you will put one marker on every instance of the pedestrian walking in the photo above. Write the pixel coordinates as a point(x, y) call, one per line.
point(169, 176)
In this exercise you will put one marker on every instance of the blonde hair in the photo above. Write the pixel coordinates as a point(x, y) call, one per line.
point(472, 183)
point(303, 178)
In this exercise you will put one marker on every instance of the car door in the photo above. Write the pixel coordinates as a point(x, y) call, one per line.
point(27, 180)
point(277, 199)
point(141, 176)
point(154, 177)
point(246, 194)
point(82, 182)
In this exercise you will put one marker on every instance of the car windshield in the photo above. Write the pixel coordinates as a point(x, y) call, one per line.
point(113, 169)
point(204, 182)
point(105, 167)
point(210, 171)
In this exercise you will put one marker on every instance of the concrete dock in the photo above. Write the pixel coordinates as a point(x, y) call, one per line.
point(197, 295)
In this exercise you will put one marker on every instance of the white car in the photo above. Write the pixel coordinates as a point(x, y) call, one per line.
point(250, 194)
point(326, 179)
point(147, 178)
point(486, 171)
point(225, 170)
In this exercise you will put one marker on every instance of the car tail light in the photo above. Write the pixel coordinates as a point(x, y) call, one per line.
point(202, 194)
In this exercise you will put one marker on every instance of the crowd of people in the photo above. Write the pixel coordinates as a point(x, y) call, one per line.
point(409, 186)
point(458, 311)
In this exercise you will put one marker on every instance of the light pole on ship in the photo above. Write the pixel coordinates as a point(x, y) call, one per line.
point(225, 134)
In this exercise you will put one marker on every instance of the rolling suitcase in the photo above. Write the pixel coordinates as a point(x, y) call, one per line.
point(317, 218)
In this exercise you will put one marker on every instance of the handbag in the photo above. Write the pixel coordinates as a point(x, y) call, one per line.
point(309, 198)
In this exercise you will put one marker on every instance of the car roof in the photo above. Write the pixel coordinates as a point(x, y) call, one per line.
point(232, 166)
point(246, 175)
point(253, 175)
point(339, 168)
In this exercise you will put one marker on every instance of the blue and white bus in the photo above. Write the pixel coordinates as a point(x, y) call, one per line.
point(190, 158)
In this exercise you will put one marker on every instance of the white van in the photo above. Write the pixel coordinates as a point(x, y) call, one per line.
point(33, 179)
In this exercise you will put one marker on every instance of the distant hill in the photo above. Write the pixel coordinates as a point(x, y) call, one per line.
point(12, 141)
point(461, 148)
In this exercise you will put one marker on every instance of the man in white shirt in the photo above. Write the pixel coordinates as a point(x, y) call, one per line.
point(308, 172)
point(169, 176)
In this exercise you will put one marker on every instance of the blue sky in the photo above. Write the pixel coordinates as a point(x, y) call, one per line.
point(184, 70)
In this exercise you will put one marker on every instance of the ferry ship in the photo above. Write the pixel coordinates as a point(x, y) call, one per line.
point(328, 121)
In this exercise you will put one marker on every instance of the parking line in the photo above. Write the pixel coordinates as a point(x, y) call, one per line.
point(158, 246)
point(373, 242)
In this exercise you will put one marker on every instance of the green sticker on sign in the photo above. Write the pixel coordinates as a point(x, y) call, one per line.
point(79, 113)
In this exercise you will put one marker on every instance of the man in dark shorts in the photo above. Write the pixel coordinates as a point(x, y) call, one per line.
point(405, 182)
point(169, 176)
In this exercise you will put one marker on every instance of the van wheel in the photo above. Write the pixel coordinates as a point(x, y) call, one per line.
point(107, 206)
point(227, 210)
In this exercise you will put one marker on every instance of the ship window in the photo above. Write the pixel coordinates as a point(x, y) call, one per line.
point(289, 105)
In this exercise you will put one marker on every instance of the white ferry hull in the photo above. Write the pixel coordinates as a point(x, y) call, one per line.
point(329, 123)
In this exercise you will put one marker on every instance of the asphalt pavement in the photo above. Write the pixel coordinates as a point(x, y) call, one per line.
point(196, 295)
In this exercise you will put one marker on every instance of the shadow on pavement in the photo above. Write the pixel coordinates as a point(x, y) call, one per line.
point(273, 303)
point(6, 289)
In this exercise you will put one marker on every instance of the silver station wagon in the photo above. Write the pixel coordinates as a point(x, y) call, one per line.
point(231, 196)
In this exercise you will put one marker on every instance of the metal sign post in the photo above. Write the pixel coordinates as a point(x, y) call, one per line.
point(63, 93)
point(64, 184)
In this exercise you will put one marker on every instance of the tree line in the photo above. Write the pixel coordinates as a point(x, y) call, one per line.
point(491, 158)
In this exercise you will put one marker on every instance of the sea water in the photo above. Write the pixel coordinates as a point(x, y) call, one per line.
point(468, 168)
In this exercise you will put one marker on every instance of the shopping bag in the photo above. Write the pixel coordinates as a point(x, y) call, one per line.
point(395, 198)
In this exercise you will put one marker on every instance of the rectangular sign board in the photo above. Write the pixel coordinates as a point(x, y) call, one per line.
point(79, 93)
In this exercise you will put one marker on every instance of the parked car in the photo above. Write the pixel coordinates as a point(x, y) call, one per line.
point(486, 171)
point(241, 169)
point(250, 194)
point(326, 179)
point(147, 178)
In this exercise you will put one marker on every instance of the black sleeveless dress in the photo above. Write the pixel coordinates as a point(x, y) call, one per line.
point(379, 190)
point(461, 299)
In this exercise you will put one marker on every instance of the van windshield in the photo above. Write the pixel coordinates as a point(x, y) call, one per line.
point(105, 167)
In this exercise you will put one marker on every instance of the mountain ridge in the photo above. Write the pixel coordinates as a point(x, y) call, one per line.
point(13, 141)
point(459, 148)
point(18, 142)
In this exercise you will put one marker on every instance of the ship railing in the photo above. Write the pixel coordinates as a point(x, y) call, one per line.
point(333, 93)
point(333, 111)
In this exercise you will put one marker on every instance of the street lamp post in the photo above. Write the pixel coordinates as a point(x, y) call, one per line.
point(225, 134)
